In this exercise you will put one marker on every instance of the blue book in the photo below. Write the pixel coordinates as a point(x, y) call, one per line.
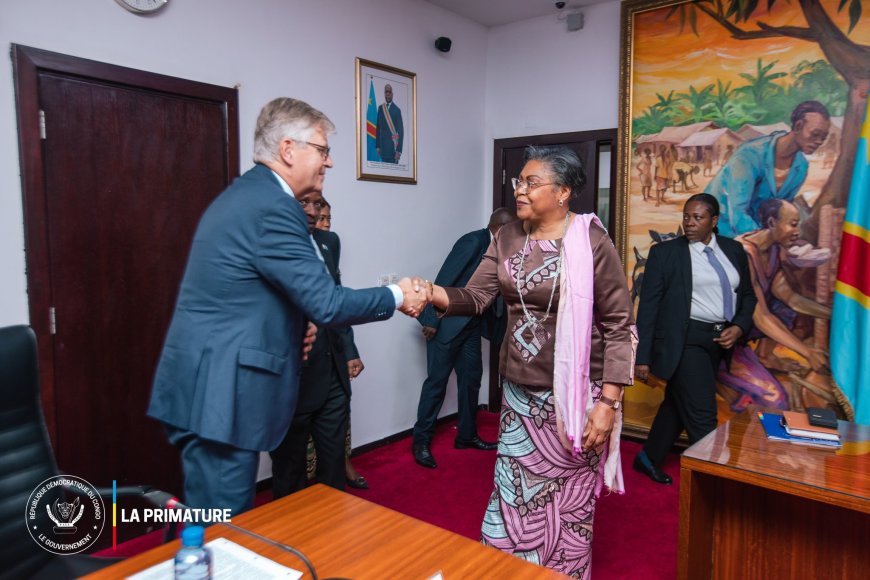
point(775, 429)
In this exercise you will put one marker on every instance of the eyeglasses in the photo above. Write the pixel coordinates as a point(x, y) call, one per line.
point(527, 186)
point(318, 205)
point(323, 149)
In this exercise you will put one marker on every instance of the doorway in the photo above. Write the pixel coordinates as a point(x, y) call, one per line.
point(117, 166)
point(597, 152)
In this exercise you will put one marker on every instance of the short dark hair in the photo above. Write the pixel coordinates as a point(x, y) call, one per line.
point(324, 202)
point(769, 208)
point(711, 202)
point(565, 165)
point(800, 111)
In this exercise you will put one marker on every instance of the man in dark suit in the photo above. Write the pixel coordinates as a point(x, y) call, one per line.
point(390, 131)
point(695, 303)
point(227, 380)
point(324, 400)
point(454, 343)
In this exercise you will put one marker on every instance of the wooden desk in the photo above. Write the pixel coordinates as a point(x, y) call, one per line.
point(345, 536)
point(751, 507)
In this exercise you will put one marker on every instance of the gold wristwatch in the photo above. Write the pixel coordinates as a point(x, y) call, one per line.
point(612, 403)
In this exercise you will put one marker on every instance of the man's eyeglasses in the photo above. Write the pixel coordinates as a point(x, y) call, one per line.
point(318, 205)
point(527, 186)
point(323, 149)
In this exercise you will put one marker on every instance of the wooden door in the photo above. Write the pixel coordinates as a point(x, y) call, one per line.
point(117, 167)
point(592, 147)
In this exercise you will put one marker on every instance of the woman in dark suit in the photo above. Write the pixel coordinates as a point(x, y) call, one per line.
point(695, 304)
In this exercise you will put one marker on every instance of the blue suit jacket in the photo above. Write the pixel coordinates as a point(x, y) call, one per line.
point(229, 370)
point(456, 271)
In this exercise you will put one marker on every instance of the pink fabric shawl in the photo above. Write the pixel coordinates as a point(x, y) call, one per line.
point(571, 384)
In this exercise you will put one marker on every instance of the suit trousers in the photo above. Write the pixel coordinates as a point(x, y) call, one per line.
point(463, 354)
point(690, 396)
point(327, 426)
point(216, 475)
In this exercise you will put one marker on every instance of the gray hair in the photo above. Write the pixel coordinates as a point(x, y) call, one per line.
point(565, 165)
point(286, 118)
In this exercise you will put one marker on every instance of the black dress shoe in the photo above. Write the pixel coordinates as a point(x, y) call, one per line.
point(474, 443)
point(651, 471)
point(358, 483)
point(423, 455)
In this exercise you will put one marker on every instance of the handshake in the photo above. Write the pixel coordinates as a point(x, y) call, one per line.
point(417, 294)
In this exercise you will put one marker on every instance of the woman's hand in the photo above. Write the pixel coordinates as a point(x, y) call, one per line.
point(729, 336)
point(599, 424)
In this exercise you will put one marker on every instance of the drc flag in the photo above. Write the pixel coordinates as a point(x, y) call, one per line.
point(850, 323)
point(372, 126)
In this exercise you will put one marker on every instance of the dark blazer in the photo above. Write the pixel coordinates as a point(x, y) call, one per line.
point(456, 271)
point(229, 370)
point(384, 137)
point(333, 346)
point(666, 301)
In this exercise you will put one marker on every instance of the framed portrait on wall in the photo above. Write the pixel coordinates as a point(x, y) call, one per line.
point(386, 123)
point(711, 91)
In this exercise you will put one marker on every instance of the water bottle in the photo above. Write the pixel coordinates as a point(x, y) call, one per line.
point(193, 560)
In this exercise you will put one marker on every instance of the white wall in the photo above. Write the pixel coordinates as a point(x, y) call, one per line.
point(542, 79)
point(526, 78)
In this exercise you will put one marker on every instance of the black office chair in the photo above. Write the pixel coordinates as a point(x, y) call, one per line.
point(26, 460)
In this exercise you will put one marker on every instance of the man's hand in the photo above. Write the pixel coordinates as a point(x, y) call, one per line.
point(355, 367)
point(641, 372)
point(429, 332)
point(729, 336)
point(416, 296)
point(308, 340)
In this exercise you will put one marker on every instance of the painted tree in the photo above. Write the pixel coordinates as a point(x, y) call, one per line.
point(695, 101)
point(850, 59)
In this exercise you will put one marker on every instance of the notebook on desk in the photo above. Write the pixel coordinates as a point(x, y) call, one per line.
point(798, 424)
point(774, 428)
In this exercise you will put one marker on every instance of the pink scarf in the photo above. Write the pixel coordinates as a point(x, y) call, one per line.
point(571, 384)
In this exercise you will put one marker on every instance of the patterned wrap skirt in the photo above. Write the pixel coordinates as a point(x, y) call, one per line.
point(543, 502)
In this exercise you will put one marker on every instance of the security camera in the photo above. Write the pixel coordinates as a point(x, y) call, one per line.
point(560, 5)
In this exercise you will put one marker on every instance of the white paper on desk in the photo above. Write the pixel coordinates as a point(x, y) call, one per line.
point(229, 561)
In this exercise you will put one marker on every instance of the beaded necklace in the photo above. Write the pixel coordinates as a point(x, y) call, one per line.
point(530, 318)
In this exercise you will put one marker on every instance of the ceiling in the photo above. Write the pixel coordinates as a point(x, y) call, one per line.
point(497, 12)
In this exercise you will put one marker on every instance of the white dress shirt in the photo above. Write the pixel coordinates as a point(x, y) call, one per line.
point(708, 305)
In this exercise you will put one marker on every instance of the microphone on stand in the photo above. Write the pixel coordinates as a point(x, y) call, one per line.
point(169, 501)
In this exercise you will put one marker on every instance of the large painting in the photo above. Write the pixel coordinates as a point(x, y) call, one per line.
point(750, 102)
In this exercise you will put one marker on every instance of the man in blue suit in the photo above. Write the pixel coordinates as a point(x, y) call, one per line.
point(227, 380)
point(390, 131)
point(454, 343)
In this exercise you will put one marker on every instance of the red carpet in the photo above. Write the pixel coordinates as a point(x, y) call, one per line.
point(635, 533)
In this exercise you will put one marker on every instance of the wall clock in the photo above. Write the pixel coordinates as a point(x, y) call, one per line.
point(143, 6)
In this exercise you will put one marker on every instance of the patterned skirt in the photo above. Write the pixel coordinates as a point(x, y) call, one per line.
point(543, 503)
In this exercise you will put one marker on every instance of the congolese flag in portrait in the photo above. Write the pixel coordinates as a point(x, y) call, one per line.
point(372, 126)
point(850, 325)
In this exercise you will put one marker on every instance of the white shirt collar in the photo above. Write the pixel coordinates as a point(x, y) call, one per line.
point(283, 184)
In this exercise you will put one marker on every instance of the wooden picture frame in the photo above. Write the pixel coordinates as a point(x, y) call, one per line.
point(701, 78)
point(386, 135)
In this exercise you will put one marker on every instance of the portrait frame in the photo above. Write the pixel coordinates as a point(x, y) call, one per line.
point(378, 132)
point(648, 82)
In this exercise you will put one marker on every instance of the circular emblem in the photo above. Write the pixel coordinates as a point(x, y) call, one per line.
point(65, 514)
